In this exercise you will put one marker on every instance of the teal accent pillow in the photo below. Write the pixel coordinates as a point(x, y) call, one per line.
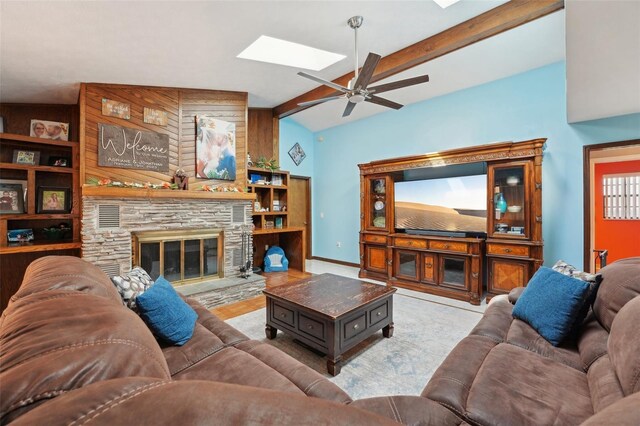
point(166, 314)
point(550, 304)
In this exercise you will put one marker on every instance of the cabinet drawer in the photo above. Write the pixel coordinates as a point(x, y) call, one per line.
point(311, 327)
point(282, 314)
point(448, 245)
point(380, 239)
point(508, 249)
point(409, 242)
point(379, 313)
point(355, 327)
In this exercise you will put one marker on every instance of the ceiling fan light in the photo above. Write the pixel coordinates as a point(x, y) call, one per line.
point(356, 99)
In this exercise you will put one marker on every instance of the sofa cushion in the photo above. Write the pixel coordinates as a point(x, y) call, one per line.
point(623, 412)
point(408, 410)
point(132, 284)
point(620, 283)
point(604, 385)
point(55, 341)
point(166, 314)
point(515, 386)
point(624, 346)
point(550, 303)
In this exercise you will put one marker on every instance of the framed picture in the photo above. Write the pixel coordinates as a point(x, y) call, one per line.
point(22, 183)
point(11, 198)
point(215, 148)
point(49, 130)
point(297, 154)
point(22, 156)
point(20, 235)
point(53, 200)
point(60, 161)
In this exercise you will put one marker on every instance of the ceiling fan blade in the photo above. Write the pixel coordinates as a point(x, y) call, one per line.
point(384, 102)
point(367, 70)
point(321, 100)
point(323, 81)
point(348, 109)
point(398, 84)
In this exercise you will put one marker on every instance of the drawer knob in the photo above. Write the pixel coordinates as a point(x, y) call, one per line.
point(446, 246)
point(310, 327)
point(283, 315)
point(356, 326)
point(378, 313)
point(474, 275)
point(429, 265)
point(507, 250)
point(410, 243)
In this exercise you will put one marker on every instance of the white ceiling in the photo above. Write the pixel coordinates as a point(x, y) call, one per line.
point(48, 48)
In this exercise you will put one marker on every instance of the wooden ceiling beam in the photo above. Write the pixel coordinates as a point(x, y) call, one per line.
point(495, 21)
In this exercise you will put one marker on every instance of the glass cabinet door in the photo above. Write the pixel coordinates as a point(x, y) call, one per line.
point(377, 207)
point(509, 201)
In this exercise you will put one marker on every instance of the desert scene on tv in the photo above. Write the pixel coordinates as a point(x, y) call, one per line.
point(457, 204)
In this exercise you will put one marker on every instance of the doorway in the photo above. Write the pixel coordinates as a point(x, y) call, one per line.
point(300, 206)
point(611, 202)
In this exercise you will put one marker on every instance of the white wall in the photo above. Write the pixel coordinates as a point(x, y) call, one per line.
point(603, 58)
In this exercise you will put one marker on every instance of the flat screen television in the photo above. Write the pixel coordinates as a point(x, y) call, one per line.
point(450, 206)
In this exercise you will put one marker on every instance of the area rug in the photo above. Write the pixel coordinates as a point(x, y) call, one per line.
point(425, 332)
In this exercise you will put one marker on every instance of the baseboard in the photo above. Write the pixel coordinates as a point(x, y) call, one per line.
point(339, 262)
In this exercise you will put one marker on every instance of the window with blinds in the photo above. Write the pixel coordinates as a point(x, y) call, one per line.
point(621, 195)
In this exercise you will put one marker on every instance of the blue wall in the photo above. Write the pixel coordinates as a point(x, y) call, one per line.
point(290, 133)
point(526, 106)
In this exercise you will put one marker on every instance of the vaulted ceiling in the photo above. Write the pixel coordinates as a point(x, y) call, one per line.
point(48, 48)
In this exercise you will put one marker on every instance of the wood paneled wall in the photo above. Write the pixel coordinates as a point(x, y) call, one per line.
point(182, 106)
point(263, 135)
point(17, 117)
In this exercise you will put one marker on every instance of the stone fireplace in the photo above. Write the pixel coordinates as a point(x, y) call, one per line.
point(116, 229)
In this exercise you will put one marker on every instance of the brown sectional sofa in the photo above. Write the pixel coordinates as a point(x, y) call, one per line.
point(70, 352)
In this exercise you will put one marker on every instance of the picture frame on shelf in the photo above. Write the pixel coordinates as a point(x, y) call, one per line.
point(20, 235)
point(26, 157)
point(11, 198)
point(49, 130)
point(21, 182)
point(53, 200)
point(57, 161)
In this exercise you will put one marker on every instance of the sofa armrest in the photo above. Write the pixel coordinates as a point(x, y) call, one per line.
point(165, 402)
point(514, 294)
point(408, 410)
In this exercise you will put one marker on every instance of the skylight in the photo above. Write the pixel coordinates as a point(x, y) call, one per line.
point(282, 52)
point(445, 3)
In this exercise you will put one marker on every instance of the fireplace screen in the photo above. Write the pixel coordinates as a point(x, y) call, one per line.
point(182, 256)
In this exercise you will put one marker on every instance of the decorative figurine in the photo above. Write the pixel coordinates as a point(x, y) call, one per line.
point(181, 179)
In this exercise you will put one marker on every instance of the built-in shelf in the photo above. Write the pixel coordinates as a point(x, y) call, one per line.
point(278, 230)
point(269, 213)
point(48, 142)
point(43, 245)
point(36, 168)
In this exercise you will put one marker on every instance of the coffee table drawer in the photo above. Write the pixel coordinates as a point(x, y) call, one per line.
point(282, 314)
point(355, 326)
point(378, 313)
point(311, 327)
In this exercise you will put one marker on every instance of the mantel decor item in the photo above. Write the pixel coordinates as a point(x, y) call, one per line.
point(11, 198)
point(127, 148)
point(181, 179)
point(22, 156)
point(20, 235)
point(53, 200)
point(215, 148)
point(117, 109)
point(156, 116)
point(49, 130)
point(297, 154)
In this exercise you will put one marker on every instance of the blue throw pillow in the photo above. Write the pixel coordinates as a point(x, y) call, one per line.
point(166, 314)
point(551, 303)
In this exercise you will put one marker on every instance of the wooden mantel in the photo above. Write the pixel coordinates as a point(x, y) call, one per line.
point(114, 192)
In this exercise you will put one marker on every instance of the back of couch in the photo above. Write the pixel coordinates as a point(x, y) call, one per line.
point(66, 328)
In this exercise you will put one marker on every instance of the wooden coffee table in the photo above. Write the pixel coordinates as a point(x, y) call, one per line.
point(330, 313)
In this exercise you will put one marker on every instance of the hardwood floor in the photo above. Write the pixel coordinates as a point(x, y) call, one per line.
point(273, 279)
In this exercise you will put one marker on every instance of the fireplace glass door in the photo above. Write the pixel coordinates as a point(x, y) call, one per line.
point(180, 256)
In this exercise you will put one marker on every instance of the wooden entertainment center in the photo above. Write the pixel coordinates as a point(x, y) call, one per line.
point(457, 266)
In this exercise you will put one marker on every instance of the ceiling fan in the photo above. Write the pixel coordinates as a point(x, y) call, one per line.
point(358, 90)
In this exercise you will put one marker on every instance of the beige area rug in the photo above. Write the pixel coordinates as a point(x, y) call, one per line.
point(425, 332)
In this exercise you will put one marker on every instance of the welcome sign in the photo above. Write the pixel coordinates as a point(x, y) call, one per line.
point(132, 149)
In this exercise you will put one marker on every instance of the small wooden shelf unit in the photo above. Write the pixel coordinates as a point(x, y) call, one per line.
point(460, 268)
point(271, 227)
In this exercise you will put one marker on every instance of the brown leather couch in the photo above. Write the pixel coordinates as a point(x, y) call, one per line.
point(70, 352)
point(504, 373)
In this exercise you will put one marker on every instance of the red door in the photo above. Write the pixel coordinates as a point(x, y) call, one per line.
point(621, 237)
